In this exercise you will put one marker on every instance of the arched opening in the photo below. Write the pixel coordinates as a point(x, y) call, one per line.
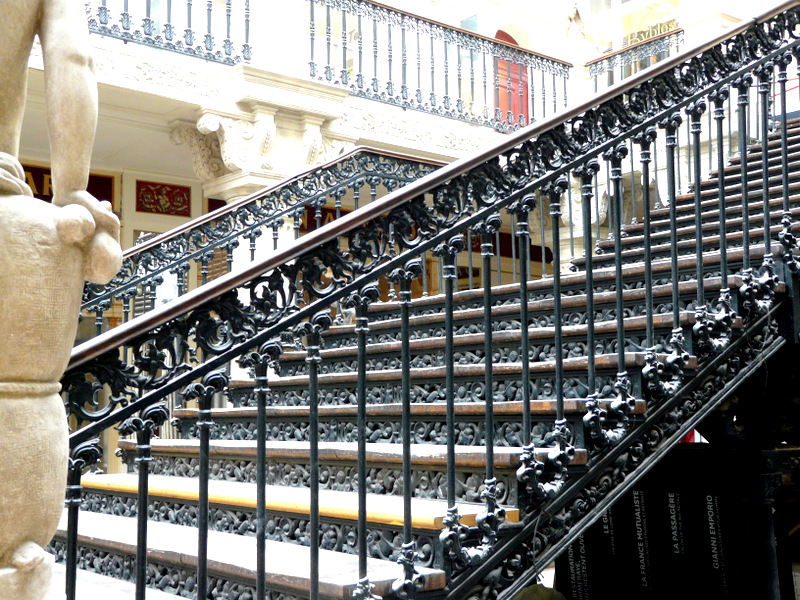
point(511, 89)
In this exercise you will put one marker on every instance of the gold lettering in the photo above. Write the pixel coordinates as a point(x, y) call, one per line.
point(31, 183)
point(47, 186)
point(633, 38)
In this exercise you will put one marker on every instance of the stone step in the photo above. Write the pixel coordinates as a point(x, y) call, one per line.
point(469, 347)
point(172, 551)
point(685, 221)
point(686, 247)
point(288, 465)
point(710, 229)
point(337, 423)
point(296, 501)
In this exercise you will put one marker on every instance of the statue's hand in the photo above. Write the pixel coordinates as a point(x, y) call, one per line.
point(103, 254)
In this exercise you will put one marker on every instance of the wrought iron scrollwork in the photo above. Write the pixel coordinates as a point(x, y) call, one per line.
point(712, 332)
point(664, 379)
point(757, 292)
point(544, 480)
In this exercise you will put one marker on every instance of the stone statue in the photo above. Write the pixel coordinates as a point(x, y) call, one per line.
point(46, 253)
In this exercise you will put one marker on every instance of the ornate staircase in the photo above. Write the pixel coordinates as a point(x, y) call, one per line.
point(474, 478)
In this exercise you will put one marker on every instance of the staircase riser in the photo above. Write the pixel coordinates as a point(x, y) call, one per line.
point(428, 483)
point(174, 579)
point(468, 431)
point(385, 543)
point(606, 343)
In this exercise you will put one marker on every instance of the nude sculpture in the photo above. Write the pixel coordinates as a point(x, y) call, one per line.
point(46, 253)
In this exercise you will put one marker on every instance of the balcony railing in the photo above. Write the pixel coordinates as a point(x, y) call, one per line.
point(616, 66)
point(398, 58)
point(202, 29)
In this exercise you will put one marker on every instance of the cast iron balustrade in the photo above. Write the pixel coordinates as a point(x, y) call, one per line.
point(577, 382)
point(632, 59)
point(402, 59)
point(303, 201)
point(207, 30)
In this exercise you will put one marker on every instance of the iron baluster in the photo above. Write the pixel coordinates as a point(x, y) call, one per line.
point(785, 236)
point(389, 56)
point(644, 140)
point(521, 116)
point(555, 95)
point(407, 586)
point(614, 156)
point(375, 82)
point(764, 74)
point(181, 272)
point(125, 19)
point(228, 43)
point(509, 93)
point(418, 95)
point(460, 101)
point(612, 208)
point(344, 76)
point(471, 82)
point(521, 210)
point(247, 51)
point(328, 44)
point(498, 113)
point(169, 28)
point(532, 94)
point(586, 173)
point(555, 191)
point(448, 253)
point(743, 84)
point(655, 179)
point(634, 216)
point(485, 87)
point(103, 14)
point(312, 330)
point(694, 111)
point(469, 259)
point(730, 123)
point(689, 156)
point(543, 240)
point(571, 224)
point(433, 77)
point(360, 74)
point(147, 22)
point(144, 426)
point(83, 456)
point(276, 226)
point(514, 242)
point(404, 62)
point(671, 125)
point(446, 102)
point(499, 257)
point(259, 361)
point(360, 301)
point(678, 162)
point(209, 39)
point(718, 97)
point(188, 33)
point(312, 30)
point(544, 96)
point(213, 383)
point(597, 249)
point(710, 146)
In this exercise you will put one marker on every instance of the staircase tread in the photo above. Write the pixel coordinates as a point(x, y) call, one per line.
point(434, 409)
point(234, 556)
point(422, 454)
point(381, 508)
point(93, 586)
point(660, 321)
point(578, 363)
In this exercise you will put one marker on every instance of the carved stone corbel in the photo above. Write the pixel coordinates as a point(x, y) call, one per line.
point(245, 142)
point(206, 151)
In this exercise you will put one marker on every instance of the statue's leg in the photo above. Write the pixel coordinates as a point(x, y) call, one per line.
point(71, 95)
point(18, 25)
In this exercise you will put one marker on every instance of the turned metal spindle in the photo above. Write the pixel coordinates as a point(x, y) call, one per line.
point(499, 258)
point(543, 240)
point(615, 156)
point(312, 33)
point(783, 63)
point(209, 39)
point(247, 51)
point(695, 111)
point(228, 44)
point(432, 97)
point(261, 391)
point(743, 84)
point(360, 41)
point(521, 210)
point(586, 173)
point(329, 44)
point(555, 191)
point(403, 61)
point(514, 243)
point(188, 34)
point(485, 88)
point(571, 224)
point(521, 114)
point(544, 96)
point(498, 113)
point(460, 100)
point(389, 58)
point(375, 82)
point(634, 216)
point(471, 81)
point(671, 125)
point(719, 97)
point(83, 456)
point(418, 94)
point(446, 101)
point(469, 260)
point(645, 140)
point(509, 92)
point(764, 74)
point(344, 77)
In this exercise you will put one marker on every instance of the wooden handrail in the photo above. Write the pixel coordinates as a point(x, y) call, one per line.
point(472, 33)
point(232, 206)
point(327, 233)
point(655, 38)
